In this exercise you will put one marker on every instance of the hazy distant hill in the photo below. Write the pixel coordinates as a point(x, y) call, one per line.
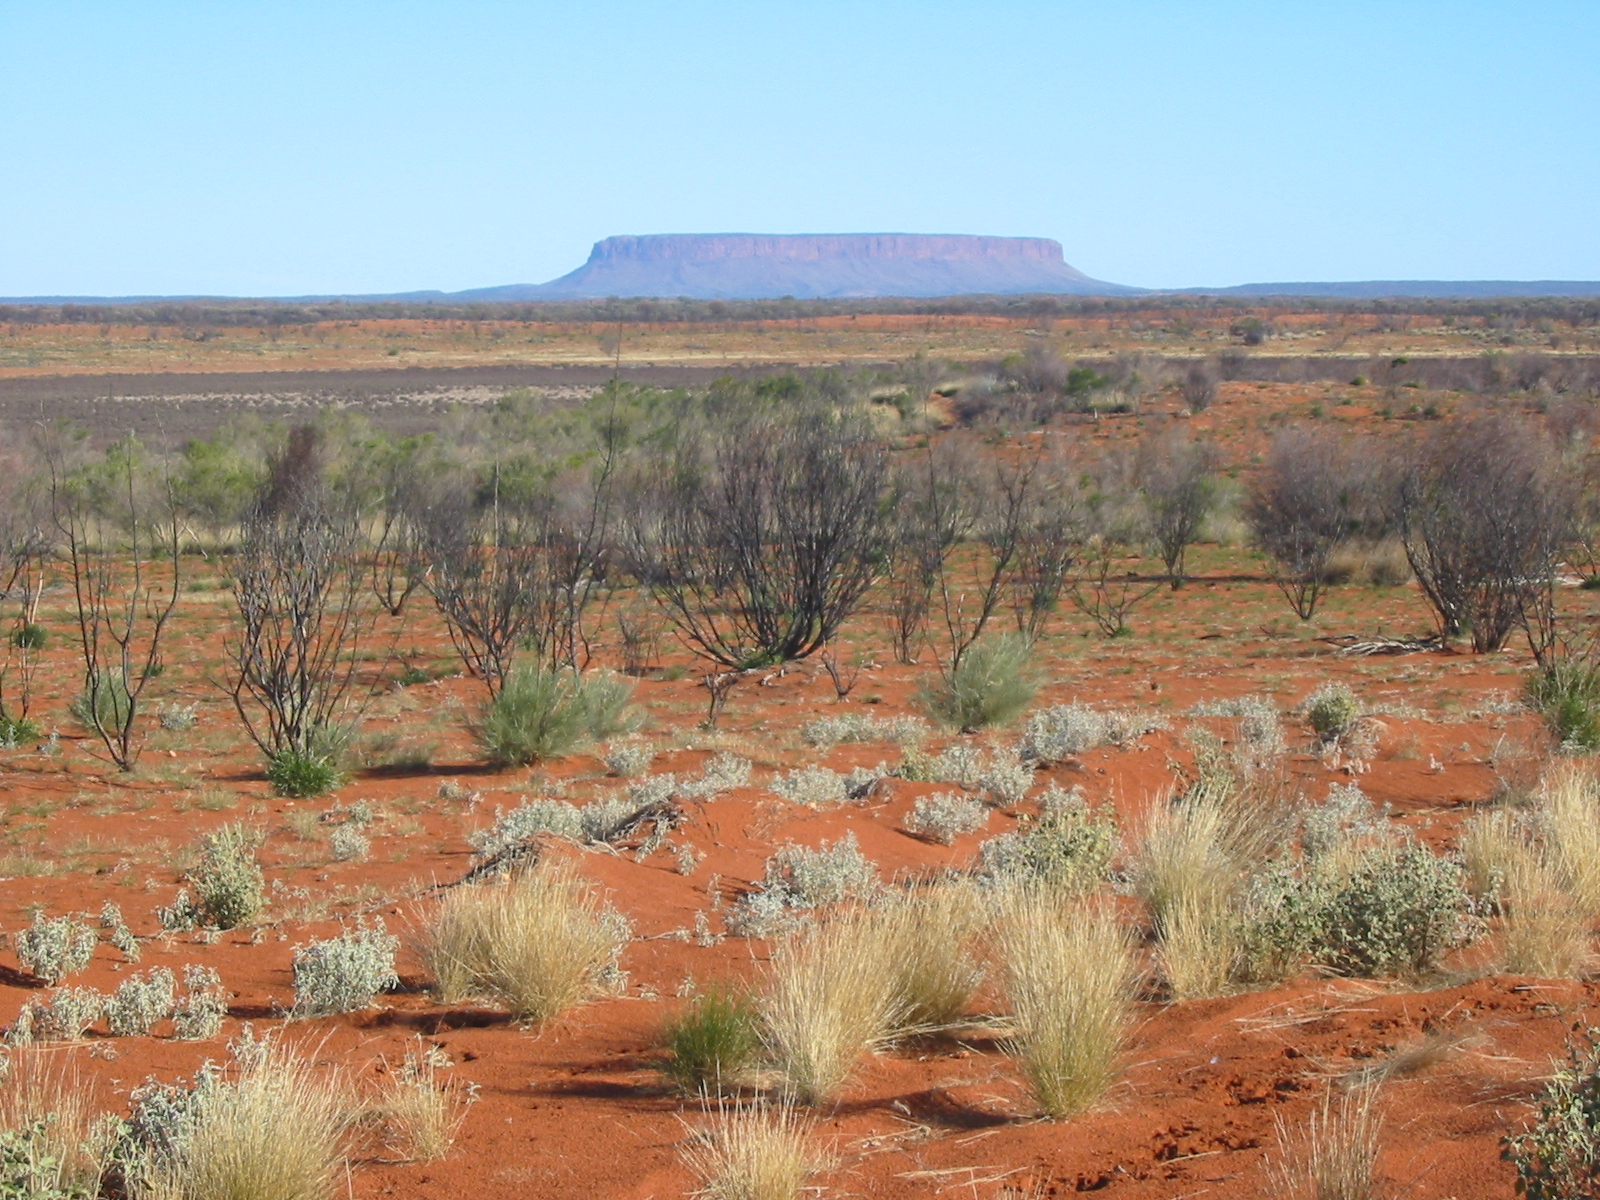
point(1376, 289)
point(738, 266)
point(758, 266)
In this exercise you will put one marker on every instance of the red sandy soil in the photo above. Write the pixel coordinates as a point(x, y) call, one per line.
point(578, 1108)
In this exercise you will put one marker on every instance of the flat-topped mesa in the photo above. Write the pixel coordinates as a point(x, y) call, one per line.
point(758, 265)
point(817, 247)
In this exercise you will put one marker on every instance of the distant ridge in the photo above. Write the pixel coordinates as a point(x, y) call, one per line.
point(750, 266)
point(851, 266)
point(1379, 289)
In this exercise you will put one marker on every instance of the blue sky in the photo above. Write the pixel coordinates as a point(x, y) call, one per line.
point(287, 147)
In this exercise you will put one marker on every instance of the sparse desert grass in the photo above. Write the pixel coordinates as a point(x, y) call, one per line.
point(539, 943)
point(47, 1119)
point(751, 1152)
point(1569, 818)
point(420, 1112)
point(1070, 973)
point(928, 937)
point(831, 996)
point(269, 1130)
point(1335, 1156)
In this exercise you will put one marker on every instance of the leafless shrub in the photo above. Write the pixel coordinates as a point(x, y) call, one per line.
point(507, 573)
point(762, 536)
point(1485, 508)
point(1313, 496)
point(1178, 477)
point(1200, 386)
point(118, 522)
point(297, 583)
point(934, 511)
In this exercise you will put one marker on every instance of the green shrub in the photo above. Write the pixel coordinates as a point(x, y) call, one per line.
point(108, 700)
point(229, 889)
point(1397, 913)
point(989, 686)
point(301, 776)
point(1067, 847)
point(713, 1043)
point(1567, 695)
point(1332, 709)
point(542, 713)
point(412, 676)
point(17, 731)
point(31, 637)
point(1558, 1156)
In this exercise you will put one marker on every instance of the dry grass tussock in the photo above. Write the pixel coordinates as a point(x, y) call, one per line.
point(833, 993)
point(749, 1152)
point(539, 942)
point(1070, 973)
point(420, 1113)
point(272, 1130)
point(927, 935)
point(1335, 1156)
point(1543, 931)
point(1189, 878)
point(44, 1104)
point(1569, 816)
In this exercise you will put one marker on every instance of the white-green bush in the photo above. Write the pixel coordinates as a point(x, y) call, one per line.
point(945, 816)
point(627, 759)
point(1066, 730)
point(65, 1018)
point(54, 947)
point(798, 878)
point(344, 974)
point(722, 774)
point(1066, 847)
point(855, 727)
point(141, 1001)
point(197, 1016)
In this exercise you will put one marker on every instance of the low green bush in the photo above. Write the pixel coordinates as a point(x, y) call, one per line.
point(17, 731)
point(1332, 709)
point(712, 1043)
point(542, 713)
point(1567, 695)
point(301, 776)
point(989, 686)
point(1558, 1156)
point(103, 705)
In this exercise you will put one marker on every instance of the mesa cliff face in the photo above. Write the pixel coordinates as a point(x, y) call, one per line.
point(752, 266)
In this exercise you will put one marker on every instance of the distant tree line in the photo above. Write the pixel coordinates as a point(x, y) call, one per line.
point(1503, 312)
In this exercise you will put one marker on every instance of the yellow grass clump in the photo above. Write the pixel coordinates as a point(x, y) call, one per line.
point(834, 992)
point(927, 936)
point(270, 1131)
point(1335, 1156)
point(1569, 814)
point(538, 943)
point(1188, 878)
point(754, 1153)
point(1069, 973)
point(45, 1106)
